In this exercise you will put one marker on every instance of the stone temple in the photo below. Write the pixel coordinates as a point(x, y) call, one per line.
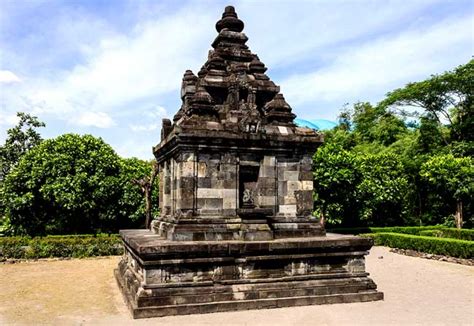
point(235, 229)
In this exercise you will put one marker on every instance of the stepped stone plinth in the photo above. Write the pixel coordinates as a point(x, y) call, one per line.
point(235, 229)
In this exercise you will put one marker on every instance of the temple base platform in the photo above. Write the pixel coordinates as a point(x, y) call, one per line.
point(160, 277)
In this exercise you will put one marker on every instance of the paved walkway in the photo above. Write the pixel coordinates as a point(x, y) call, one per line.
point(83, 292)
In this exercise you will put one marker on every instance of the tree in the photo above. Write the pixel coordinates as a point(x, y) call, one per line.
point(335, 181)
point(69, 184)
point(146, 184)
point(20, 139)
point(430, 134)
point(372, 123)
point(455, 175)
point(382, 189)
point(448, 97)
point(136, 172)
point(388, 129)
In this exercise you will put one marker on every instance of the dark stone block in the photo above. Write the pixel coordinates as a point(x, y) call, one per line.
point(230, 182)
point(204, 182)
point(187, 182)
point(229, 212)
point(217, 183)
point(304, 202)
point(306, 175)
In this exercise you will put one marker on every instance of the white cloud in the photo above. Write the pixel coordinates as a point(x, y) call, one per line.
point(155, 115)
point(123, 69)
point(8, 77)
point(103, 73)
point(94, 119)
point(363, 71)
point(135, 148)
point(158, 112)
point(8, 119)
point(288, 33)
point(144, 128)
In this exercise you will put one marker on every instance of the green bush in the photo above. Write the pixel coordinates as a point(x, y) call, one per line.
point(13, 247)
point(414, 230)
point(461, 234)
point(431, 245)
point(77, 246)
point(72, 184)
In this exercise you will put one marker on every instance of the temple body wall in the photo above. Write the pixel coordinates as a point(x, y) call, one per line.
point(208, 184)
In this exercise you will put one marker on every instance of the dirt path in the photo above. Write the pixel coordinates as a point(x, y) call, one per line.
point(83, 292)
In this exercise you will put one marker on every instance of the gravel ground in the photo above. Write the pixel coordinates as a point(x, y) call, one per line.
point(83, 292)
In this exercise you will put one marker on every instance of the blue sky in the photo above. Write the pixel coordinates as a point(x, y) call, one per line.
point(113, 68)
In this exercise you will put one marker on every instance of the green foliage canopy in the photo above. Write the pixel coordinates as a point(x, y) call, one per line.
point(134, 169)
point(455, 174)
point(353, 187)
point(20, 139)
point(69, 184)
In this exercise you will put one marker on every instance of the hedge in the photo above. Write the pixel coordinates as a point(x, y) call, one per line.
point(413, 230)
point(431, 245)
point(77, 246)
point(461, 234)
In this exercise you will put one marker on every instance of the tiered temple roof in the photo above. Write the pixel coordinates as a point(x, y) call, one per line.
point(232, 85)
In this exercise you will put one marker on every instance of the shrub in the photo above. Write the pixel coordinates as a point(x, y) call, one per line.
point(66, 185)
point(461, 234)
point(13, 247)
point(72, 184)
point(432, 245)
point(77, 246)
point(414, 230)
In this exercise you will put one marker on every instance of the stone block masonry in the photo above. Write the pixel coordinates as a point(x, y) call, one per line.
point(235, 229)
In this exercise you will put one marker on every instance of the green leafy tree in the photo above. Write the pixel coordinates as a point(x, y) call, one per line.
point(448, 98)
point(364, 117)
point(430, 135)
point(455, 176)
point(341, 136)
point(335, 181)
point(388, 129)
point(70, 184)
point(138, 204)
point(372, 124)
point(382, 189)
point(20, 139)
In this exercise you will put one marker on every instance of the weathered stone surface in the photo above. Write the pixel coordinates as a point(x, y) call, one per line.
point(160, 277)
point(235, 229)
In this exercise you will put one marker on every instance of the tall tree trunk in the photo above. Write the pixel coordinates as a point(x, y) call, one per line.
point(322, 219)
point(146, 185)
point(458, 217)
point(148, 192)
point(148, 217)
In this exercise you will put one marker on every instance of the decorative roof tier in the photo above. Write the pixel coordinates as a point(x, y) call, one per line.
point(231, 90)
point(277, 110)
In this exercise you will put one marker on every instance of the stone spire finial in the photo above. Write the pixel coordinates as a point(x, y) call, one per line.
point(188, 85)
point(188, 88)
point(230, 21)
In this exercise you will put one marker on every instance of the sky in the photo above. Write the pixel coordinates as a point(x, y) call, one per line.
point(113, 69)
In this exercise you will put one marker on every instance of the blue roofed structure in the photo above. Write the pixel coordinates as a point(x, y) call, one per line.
point(316, 124)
